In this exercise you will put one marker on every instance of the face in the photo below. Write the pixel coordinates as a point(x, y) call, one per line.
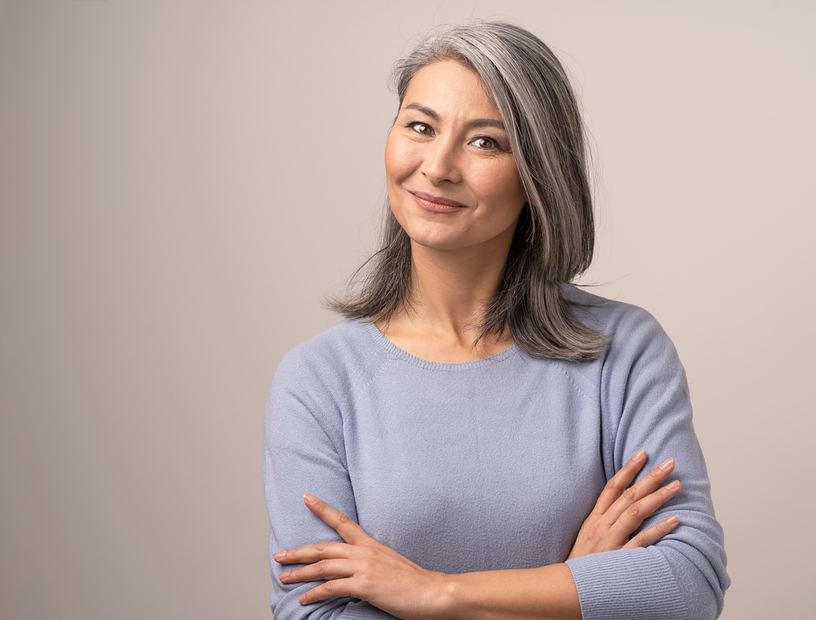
point(452, 180)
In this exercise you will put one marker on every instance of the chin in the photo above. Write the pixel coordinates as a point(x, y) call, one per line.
point(434, 242)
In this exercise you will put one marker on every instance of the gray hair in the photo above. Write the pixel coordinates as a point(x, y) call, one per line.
point(555, 235)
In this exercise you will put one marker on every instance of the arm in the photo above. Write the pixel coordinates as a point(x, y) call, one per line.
point(365, 568)
point(645, 403)
point(303, 450)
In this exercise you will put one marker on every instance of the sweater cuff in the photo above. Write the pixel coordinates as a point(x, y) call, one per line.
point(630, 584)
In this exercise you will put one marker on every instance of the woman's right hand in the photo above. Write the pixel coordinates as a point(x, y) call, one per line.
point(622, 508)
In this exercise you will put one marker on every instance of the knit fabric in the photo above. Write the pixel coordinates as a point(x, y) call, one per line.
point(492, 464)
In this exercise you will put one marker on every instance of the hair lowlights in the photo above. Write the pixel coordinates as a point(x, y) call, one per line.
point(555, 235)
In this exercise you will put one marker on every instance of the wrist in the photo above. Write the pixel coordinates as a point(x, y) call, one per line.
point(441, 600)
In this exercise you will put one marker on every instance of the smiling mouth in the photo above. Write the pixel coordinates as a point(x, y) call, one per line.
point(437, 204)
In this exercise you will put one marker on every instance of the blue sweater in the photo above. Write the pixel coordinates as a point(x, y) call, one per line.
point(492, 464)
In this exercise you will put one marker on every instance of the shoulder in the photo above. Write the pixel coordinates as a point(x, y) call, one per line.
point(331, 361)
point(639, 352)
point(314, 381)
point(639, 365)
point(629, 328)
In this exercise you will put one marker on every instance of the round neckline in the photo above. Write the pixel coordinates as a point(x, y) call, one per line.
point(403, 355)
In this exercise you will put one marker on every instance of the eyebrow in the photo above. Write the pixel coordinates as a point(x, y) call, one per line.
point(477, 122)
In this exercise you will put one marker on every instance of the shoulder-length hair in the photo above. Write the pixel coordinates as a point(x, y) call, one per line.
point(555, 235)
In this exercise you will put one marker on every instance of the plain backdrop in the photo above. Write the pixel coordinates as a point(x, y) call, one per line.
point(181, 182)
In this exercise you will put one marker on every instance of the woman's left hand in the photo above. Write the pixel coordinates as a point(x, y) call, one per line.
point(621, 509)
point(362, 567)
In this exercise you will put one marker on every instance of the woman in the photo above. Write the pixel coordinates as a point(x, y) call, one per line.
point(476, 415)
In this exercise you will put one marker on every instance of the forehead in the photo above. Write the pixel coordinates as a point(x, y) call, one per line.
point(450, 88)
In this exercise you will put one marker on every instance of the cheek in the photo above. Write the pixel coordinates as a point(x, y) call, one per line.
point(401, 158)
point(517, 191)
point(501, 185)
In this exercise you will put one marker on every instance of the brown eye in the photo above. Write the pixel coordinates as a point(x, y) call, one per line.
point(422, 128)
point(484, 143)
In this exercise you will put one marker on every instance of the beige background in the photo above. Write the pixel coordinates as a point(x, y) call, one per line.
point(182, 181)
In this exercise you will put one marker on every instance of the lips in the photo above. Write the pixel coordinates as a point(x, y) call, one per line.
point(437, 204)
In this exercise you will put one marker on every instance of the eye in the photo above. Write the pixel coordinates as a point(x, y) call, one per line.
point(421, 128)
point(483, 142)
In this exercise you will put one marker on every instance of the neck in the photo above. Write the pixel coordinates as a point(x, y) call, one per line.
point(450, 290)
point(449, 293)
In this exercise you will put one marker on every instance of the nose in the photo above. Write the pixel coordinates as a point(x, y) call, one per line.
point(441, 162)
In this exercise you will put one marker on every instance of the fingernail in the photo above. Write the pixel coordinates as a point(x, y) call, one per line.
point(640, 454)
point(279, 556)
point(674, 486)
point(667, 464)
point(672, 521)
point(284, 575)
point(310, 499)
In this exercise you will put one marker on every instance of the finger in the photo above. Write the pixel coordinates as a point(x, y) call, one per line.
point(313, 553)
point(635, 514)
point(619, 482)
point(643, 487)
point(653, 534)
point(325, 569)
point(348, 529)
point(330, 589)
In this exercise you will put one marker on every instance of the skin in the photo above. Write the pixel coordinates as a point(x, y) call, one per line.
point(447, 146)
point(448, 141)
point(364, 568)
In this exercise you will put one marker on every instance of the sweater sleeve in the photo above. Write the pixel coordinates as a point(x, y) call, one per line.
point(645, 404)
point(304, 453)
